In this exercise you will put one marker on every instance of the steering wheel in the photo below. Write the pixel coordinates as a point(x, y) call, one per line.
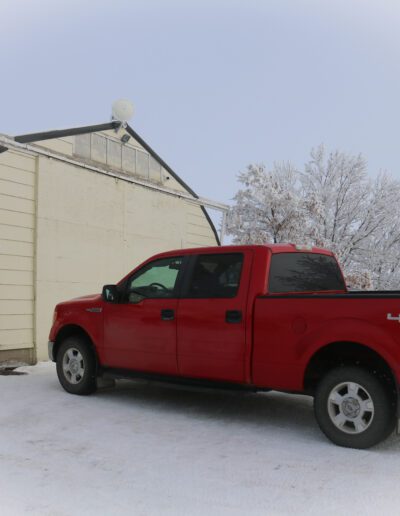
point(158, 285)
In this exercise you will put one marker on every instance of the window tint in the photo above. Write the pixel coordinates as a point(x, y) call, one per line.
point(302, 272)
point(216, 275)
point(155, 280)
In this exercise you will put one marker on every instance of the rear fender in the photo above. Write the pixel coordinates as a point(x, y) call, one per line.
point(351, 330)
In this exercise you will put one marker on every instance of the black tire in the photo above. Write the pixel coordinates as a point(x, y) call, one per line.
point(354, 407)
point(76, 366)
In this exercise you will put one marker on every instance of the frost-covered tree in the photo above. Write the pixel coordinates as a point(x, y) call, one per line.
point(332, 203)
point(268, 207)
point(355, 216)
point(378, 252)
point(336, 190)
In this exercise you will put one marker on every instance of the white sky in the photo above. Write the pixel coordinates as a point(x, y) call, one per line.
point(216, 85)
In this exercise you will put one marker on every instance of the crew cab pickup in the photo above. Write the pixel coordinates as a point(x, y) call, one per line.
point(256, 317)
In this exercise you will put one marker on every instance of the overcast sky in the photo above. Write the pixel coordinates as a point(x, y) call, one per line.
point(215, 84)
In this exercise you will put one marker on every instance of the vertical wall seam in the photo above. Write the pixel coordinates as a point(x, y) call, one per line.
point(35, 255)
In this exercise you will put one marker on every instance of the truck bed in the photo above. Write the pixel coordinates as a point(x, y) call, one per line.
point(290, 328)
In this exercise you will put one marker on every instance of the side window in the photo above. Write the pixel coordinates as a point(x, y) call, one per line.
point(155, 280)
point(215, 275)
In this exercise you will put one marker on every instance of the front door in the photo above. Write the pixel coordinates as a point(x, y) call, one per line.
point(211, 317)
point(140, 331)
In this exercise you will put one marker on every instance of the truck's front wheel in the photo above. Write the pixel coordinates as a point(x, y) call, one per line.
point(76, 366)
point(354, 408)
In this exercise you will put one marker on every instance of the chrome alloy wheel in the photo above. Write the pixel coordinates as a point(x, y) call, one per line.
point(350, 408)
point(73, 365)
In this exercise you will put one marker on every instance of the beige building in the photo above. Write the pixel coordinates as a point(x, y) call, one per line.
point(80, 208)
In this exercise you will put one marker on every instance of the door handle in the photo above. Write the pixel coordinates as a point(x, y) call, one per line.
point(167, 314)
point(233, 316)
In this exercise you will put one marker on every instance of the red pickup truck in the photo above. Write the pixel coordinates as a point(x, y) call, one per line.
point(250, 317)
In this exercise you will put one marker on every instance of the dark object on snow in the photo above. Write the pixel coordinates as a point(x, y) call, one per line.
point(10, 371)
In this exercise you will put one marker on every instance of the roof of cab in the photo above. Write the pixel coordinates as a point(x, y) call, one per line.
point(274, 248)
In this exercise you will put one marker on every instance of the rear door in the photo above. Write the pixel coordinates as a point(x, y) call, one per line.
point(212, 316)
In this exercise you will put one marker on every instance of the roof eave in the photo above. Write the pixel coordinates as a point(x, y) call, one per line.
point(61, 133)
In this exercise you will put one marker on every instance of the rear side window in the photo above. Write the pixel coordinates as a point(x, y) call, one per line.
point(304, 272)
point(215, 275)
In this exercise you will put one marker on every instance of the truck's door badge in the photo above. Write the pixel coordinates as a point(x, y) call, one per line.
point(390, 317)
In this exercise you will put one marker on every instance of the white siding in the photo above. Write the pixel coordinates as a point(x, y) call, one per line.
point(198, 230)
point(17, 221)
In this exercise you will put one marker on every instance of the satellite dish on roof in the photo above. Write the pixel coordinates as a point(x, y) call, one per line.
point(122, 111)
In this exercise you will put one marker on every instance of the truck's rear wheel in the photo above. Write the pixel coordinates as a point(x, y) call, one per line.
point(354, 408)
point(76, 366)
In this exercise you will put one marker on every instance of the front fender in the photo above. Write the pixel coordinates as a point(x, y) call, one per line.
point(87, 319)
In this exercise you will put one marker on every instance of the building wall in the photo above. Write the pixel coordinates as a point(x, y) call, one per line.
point(66, 230)
point(93, 229)
point(17, 236)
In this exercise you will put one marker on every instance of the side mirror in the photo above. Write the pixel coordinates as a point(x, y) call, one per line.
point(110, 293)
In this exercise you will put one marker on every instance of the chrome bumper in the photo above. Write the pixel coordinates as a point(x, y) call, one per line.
point(50, 346)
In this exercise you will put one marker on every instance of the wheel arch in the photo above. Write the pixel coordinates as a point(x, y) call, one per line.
point(70, 330)
point(342, 353)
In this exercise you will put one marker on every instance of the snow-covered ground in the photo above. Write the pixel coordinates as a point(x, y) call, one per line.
point(151, 449)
